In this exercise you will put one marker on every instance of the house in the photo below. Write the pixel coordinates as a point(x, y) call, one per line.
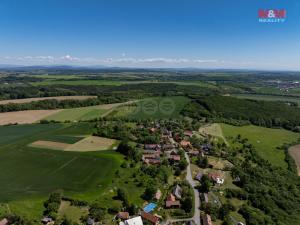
point(177, 191)
point(172, 204)
point(150, 156)
point(199, 176)
point(157, 195)
point(188, 133)
point(152, 161)
point(123, 215)
point(47, 220)
point(149, 217)
point(193, 152)
point(133, 221)
point(216, 178)
point(171, 197)
point(185, 144)
point(206, 220)
point(4, 222)
point(153, 147)
point(174, 158)
point(167, 147)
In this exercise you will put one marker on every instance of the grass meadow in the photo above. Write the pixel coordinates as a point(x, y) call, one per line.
point(152, 108)
point(265, 140)
point(76, 114)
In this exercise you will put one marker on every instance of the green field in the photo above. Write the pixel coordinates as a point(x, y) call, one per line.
point(64, 139)
point(152, 108)
point(28, 175)
point(76, 114)
point(269, 98)
point(76, 82)
point(265, 140)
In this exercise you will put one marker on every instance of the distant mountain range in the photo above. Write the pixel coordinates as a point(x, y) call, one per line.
point(100, 68)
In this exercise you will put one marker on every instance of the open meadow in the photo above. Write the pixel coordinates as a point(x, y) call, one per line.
point(265, 140)
point(152, 108)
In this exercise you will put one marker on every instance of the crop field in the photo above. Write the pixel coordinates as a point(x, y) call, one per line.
point(37, 172)
point(25, 117)
point(265, 140)
point(59, 98)
point(82, 113)
point(76, 114)
point(155, 108)
point(295, 153)
point(269, 98)
point(92, 143)
point(77, 82)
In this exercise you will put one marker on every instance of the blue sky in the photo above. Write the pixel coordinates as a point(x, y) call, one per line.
point(149, 33)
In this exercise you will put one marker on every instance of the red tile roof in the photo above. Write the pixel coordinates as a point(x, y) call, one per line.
point(147, 216)
point(123, 215)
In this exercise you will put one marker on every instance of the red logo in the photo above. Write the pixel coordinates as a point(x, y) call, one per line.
point(271, 15)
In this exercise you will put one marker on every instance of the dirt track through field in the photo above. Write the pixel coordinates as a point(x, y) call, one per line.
point(25, 117)
point(295, 153)
point(59, 98)
point(50, 145)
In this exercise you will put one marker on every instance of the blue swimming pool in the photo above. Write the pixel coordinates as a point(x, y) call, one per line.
point(150, 207)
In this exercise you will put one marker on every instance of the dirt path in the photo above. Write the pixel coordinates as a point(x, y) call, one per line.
point(59, 98)
point(295, 153)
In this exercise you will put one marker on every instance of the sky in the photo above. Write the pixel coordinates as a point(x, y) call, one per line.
point(149, 33)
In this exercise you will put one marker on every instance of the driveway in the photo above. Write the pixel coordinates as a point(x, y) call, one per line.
point(191, 181)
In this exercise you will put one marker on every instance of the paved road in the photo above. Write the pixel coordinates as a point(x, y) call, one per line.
point(189, 178)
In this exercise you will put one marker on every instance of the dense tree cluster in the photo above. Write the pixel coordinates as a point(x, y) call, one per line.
point(272, 192)
point(242, 111)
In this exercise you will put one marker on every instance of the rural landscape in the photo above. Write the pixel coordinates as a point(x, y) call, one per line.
point(149, 112)
point(155, 147)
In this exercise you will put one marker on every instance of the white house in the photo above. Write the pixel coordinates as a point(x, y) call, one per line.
point(133, 221)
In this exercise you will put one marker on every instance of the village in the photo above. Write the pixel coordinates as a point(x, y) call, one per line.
point(189, 154)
